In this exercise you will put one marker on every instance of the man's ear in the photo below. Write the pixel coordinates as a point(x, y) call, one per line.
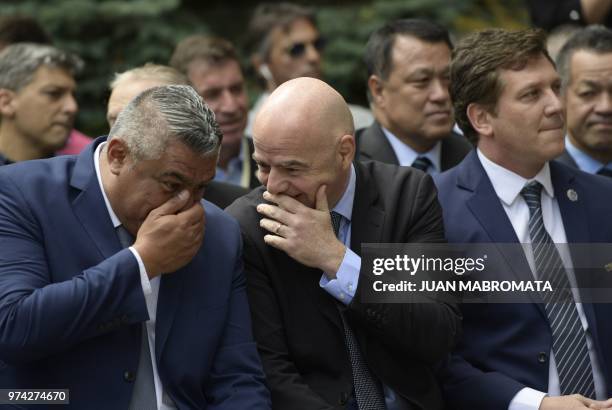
point(346, 149)
point(375, 86)
point(117, 154)
point(480, 118)
point(7, 103)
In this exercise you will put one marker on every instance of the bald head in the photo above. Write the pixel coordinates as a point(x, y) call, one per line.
point(127, 85)
point(303, 139)
point(307, 104)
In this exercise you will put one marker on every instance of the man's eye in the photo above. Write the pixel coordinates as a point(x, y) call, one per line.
point(171, 186)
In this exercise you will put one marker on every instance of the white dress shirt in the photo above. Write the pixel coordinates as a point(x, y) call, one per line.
point(150, 288)
point(508, 186)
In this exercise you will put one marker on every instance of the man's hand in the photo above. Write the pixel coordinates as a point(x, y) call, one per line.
point(573, 402)
point(303, 233)
point(169, 238)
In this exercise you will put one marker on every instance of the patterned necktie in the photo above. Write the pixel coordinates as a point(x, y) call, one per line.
point(368, 391)
point(422, 163)
point(606, 172)
point(143, 395)
point(569, 339)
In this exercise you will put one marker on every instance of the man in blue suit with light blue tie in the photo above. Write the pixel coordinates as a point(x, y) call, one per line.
point(540, 355)
point(116, 281)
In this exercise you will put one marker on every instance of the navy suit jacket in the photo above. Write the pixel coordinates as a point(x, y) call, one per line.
point(72, 306)
point(506, 346)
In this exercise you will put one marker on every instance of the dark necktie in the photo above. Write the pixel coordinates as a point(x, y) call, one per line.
point(422, 163)
point(368, 391)
point(569, 339)
point(143, 395)
point(606, 172)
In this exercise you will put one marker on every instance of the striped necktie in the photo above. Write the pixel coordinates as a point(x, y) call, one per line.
point(569, 339)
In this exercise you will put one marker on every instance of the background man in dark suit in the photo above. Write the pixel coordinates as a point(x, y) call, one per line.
point(127, 85)
point(212, 66)
point(304, 281)
point(585, 67)
point(408, 77)
point(529, 355)
point(161, 324)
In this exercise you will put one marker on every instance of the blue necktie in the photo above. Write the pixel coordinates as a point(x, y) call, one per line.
point(422, 163)
point(143, 395)
point(368, 391)
point(569, 339)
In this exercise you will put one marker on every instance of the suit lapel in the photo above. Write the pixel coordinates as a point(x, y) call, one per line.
point(367, 219)
point(575, 223)
point(170, 296)
point(487, 209)
point(89, 206)
point(374, 145)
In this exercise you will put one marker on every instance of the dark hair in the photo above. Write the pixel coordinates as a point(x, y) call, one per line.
point(476, 64)
point(213, 50)
point(597, 39)
point(22, 29)
point(378, 58)
point(269, 16)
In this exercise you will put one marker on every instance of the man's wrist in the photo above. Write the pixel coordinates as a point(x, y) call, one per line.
point(332, 264)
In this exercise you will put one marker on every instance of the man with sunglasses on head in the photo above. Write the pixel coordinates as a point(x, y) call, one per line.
point(284, 43)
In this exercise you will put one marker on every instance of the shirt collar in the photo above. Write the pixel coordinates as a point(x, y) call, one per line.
point(345, 205)
point(508, 185)
point(406, 155)
point(111, 213)
point(584, 161)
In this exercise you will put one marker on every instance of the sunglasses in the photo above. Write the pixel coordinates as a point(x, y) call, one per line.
point(297, 50)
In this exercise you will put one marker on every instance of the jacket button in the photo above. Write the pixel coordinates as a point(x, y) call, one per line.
point(344, 397)
point(542, 357)
point(129, 376)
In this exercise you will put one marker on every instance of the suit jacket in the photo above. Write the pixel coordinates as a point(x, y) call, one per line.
point(506, 346)
point(223, 194)
point(567, 159)
point(297, 324)
point(372, 144)
point(72, 305)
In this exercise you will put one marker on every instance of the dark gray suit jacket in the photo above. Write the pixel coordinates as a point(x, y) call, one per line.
point(372, 144)
point(567, 159)
point(297, 324)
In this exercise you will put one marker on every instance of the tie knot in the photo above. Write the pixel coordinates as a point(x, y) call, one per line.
point(335, 220)
point(531, 193)
point(422, 163)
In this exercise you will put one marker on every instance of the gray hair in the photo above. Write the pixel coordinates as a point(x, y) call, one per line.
point(596, 39)
point(153, 72)
point(163, 114)
point(20, 61)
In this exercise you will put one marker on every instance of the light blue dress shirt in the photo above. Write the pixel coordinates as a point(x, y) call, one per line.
point(406, 155)
point(343, 287)
point(233, 174)
point(585, 162)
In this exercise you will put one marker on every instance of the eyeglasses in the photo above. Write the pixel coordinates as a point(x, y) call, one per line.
point(297, 50)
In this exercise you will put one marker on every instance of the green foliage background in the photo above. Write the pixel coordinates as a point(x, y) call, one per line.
point(112, 36)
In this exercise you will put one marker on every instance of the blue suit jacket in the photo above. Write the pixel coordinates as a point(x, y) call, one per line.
point(71, 302)
point(506, 346)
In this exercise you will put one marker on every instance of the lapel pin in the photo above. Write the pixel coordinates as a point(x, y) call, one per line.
point(608, 267)
point(572, 195)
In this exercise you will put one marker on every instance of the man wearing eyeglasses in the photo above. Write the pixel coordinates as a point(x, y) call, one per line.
point(285, 43)
point(408, 68)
